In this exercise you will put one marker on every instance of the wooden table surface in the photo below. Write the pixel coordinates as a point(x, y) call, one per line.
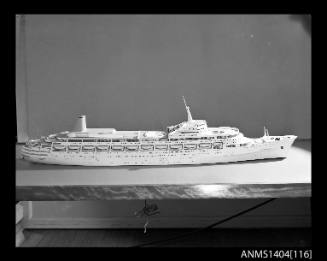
point(278, 178)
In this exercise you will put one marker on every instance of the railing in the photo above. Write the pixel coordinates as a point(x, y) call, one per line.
point(142, 147)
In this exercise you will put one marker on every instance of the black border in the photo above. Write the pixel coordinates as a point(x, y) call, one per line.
point(11, 119)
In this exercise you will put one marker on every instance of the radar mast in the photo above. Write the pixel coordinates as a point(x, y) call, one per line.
point(189, 115)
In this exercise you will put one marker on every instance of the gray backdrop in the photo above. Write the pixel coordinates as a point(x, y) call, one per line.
point(130, 71)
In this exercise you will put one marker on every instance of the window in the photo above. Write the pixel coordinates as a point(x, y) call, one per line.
point(104, 140)
point(74, 140)
point(88, 140)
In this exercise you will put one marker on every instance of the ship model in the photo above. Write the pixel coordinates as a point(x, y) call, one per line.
point(189, 142)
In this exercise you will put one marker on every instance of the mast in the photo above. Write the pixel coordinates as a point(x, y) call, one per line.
point(265, 130)
point(189, 115)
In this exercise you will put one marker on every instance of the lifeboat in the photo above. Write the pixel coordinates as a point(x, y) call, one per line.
point(189, 146)
point(102, 147)
point(176, 147)
point(74, 147)
point(205, 145)
point(46, 145)
point(217, 145)
point(117, 147)
point(59, 149)
point(161, 147)
point(132, 147)
point(88, 147)
point(59, 146)
point(147, 147)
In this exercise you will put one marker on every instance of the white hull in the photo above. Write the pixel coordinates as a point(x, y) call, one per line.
point(275, 149)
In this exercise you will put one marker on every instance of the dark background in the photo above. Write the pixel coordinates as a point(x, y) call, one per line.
point(130, 71)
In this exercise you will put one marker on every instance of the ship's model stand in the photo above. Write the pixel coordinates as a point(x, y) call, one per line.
point(190, 142)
